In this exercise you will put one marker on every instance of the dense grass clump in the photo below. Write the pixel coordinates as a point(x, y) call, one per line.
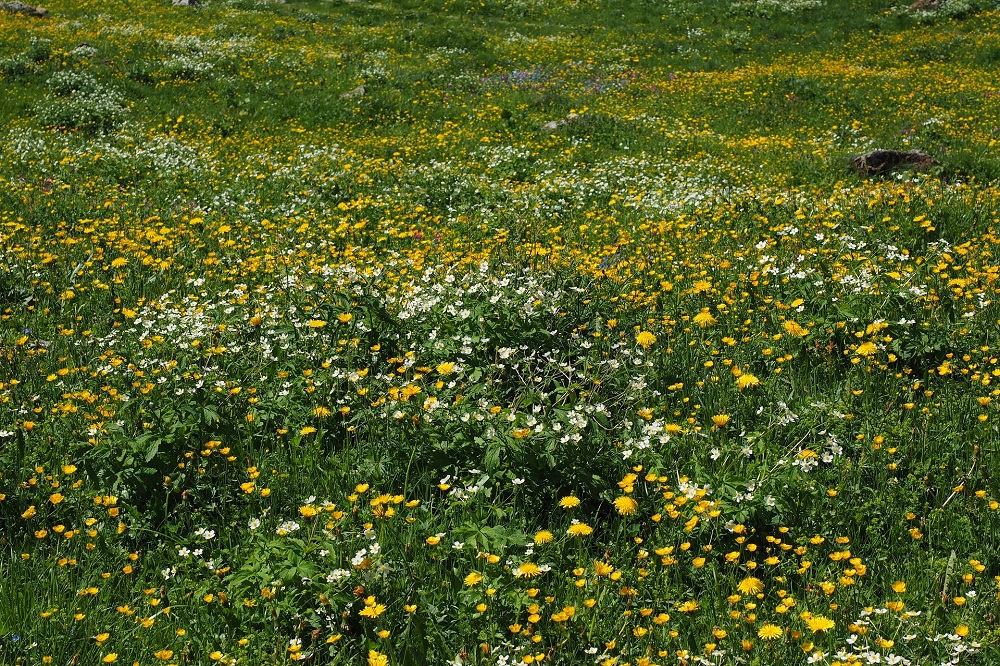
point(499, 332)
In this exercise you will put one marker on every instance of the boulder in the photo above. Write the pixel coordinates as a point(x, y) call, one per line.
point(18, 7)
point(355, 93)
point(880, 161)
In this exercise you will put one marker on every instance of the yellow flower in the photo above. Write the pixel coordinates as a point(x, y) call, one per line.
point(377, 659)
point(543, 536)
point(100, 638)
point(215, 656)
point(646, 339)
point(345, 317)
point(750, 585)
point(795, 329)
point(705, 319)
point(110, 657)
point(580, 530)
point(29, 512)
point(820, 623)
point(720, 419)
point(602, 568)
point(473, 579)
point(688, 606)
point(746, 380)
point(248, 487)
point(899, 587)
point(625, 505)
point(308, 511)
point(770, 631)
point(866, 349)
point(527, 570)
point(316, 323)
point(569, 502)
point(446, 368)
point(68, 469)
point(164, 654)
point(433, 540)
point(372, 611)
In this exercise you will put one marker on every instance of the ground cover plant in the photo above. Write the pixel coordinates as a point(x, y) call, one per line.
point(499, 332)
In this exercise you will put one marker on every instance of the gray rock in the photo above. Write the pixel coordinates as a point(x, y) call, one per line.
point(554, 125)
point(354, 94)
point(880, 161)
point(18, 7)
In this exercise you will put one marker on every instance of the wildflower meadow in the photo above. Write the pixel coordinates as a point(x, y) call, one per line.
point(500, 332)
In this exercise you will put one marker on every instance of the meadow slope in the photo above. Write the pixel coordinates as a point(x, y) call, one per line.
point(499, 332)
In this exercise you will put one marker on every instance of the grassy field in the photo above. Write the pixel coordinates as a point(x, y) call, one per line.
point(499, 332)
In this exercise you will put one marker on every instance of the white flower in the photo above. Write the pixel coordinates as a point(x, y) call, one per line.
point(254, 523)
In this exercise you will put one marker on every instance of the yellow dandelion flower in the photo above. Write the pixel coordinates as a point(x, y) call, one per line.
point(569, 502)
point(820, 623)
point(705, 319)
point(770, 631)
point(750, 585)
point(626, 506)
point(866, 349)
point(645, 339)
point(527, 570)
